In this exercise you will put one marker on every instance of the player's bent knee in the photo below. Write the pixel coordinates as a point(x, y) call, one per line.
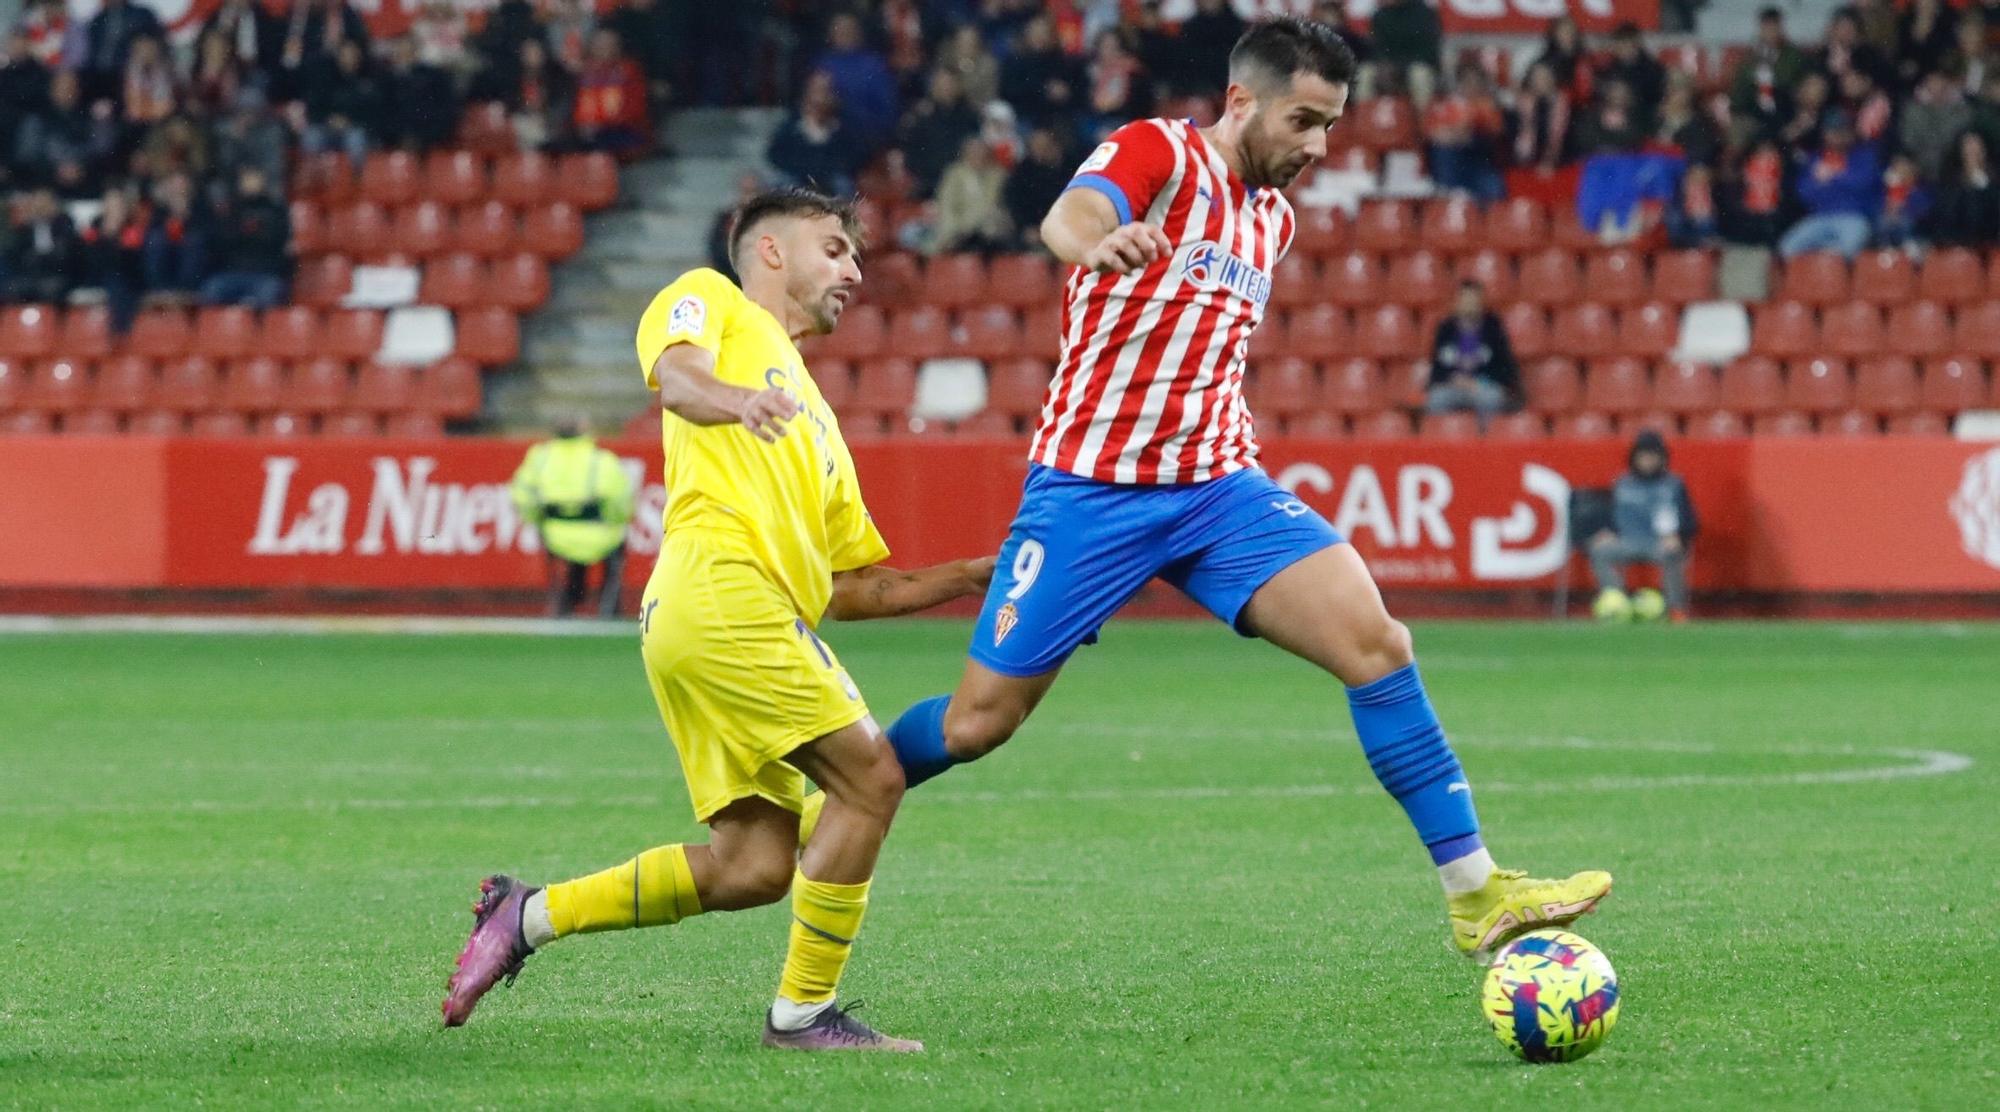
point(1384, 647)
point(972, 732)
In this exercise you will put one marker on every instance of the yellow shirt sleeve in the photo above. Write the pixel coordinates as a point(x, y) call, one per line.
point(694, 309)
point(852, 536)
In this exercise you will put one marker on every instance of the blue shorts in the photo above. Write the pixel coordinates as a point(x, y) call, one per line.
point(1080, 549)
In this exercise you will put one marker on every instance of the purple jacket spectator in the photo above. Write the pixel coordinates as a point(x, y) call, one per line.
point(862, 81)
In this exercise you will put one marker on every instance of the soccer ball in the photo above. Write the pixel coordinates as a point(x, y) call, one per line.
point(1551, 996)
point(1611, 606)
point(1648, 605)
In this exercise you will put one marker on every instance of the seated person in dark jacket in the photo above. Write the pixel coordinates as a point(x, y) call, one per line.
point(176, 253)
point(812, 146)
point(114, 249)
point(1472, 364)
point(1035, 184)
point(254, 242)
point(1652, 522)
point(420, 107)
point(44, 255)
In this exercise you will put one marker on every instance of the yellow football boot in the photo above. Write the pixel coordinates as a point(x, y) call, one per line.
point(1512, 903)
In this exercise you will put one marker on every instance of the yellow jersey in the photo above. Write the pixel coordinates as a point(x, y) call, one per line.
point(792, 508)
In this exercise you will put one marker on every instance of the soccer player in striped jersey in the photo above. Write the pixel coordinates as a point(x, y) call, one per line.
point(1145, 464)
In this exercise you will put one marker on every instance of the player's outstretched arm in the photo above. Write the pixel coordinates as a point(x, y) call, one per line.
point(1082, 229)
point(883, 592)
point(689, 390)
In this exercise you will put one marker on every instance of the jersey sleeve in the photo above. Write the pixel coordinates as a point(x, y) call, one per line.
point(853, 538)
point(692, 310)
point(1129, 168)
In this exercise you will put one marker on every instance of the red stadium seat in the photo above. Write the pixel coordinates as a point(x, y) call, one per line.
point(1527, 329)
point(1818, 278)
point(1552, 385)
point(322, 282)
point(1385, 424)
point(1680, 277)
point(61, 386)
point(1752, 385)
point(282, 424)
point(26, 422)
point(1649, 331)
point(955, 280)
point(127, 382)
point(1022, 280)
point(489, 335)
point(991, 332)
point(156, 422)
point(1852, 330)
point(1586, 330)
point(159, 334)
point(1684, 388)
point(1918, 424)
point(456, 281)
point(1852, 423)
point(413, 426)
point(1017, 387)
point(390, 178)
point(1322, 233)
point(86, 333)
point(1283, 388)
point(1952, 275)
point(353, 334)
point(1406, 382)
point(1296, 282)
point(1352, 386)
point(490, 228)
point(1886, 385)
point(1617, 386)
point(1450, 227)
point(587, 181)
point(225, 332)
point(351, 424)
point(835, 379)
point(454, 178)
point(862, 333)
point(1317, 426)
point(1818, 386)
point(1549, 277)
point(1785, 330)
point(1978, 328)
point(27, 331)
point(1388, 332)
point(1385, 227)
point(327, 178)
point(1518, 426)
point(383, 388)
point(1666, 424)
point(1418, 278)
point(1788, 423)
point(255, 385)
point(525, 179)
point(1320, 332)
point(1615, 277)
point(290, 333)
point(359, 231)
point(519, 282)
point(1449, 426)
point(1493, 271)
point(1353, 279)
point(895, 278)
point(423, 229)
point(987, 423)
point(1718, 425)
point(450, 389)
point(188, 385)
point(552, 231)
point(885, 387)
point(219, 423)
point(13, 383)
point(92, 422)
point(1952, 385)
point(1884, 278)
point(922, 332)
point(1920, 329)
point(1587, 425)
point(1041, 331)
point(484, 127)
point(1518, 226)
point(1384, 124)
point(318, 386)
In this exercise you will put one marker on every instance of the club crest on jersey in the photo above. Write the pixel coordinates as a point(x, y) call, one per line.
point(1004, 623)
point(1206, 266)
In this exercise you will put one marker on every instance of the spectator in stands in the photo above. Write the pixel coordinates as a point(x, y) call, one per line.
point(1841, 187)
point(344, 102)
point(1564, 51)
point(1461, 132)
point(1986, 110)
point(540, 100)
point(971, 215)
point(440, 31)
point(251, 138)
point(1754, 195)
point(902, 28)
point(1640, 71)
point(1932, 122)
point(1472, 362)
point(1972, 61)
point(1001, 131)
point(420, 104)
point(1652, 522)
point(107, 45)
point(978, 72)
point(218, 73)
point(812, 147)
point(747, 186)
point(1846, 51)
point(1905, 203)
point(43, 256)
point(1929, 35)
point(1034, 185)
point(1811, 102)
point(253, 36)
point(936, 129)
point(1757, 92)
point(1213, 22)
point(68, 143)
point(1038, 79)
point(1118, 85)
point(567, 25)
point(253, 243)
point(579, 499)
point(862, 82)
point(178, 145)
point(113, 254)
point(1868, 105)
point(320, 26)
point(1693, 219)
point(655, 34)
point(1682, 127)
point(1882, 26)
point(1967, 212)
point(509, 26)
point(151, 90)
point(52, 39)
point(1614, 126)
point(1333, 13)
point(176, 252)
point(611, 113)
point(1541, 121)
point(1409, 45)
point(24, 92)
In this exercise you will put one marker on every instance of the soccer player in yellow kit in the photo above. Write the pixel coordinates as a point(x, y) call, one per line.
point(765, 534)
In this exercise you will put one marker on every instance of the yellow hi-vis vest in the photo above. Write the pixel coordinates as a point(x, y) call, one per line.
point(577, 494)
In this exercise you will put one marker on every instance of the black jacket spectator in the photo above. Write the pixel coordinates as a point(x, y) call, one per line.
point(1035, 184)
point(498, 44)
point(1407, 33)
point(812, 145)
point(1967, 212)
point(255, 36)
point(177, 240)
point(1615, 126)
point(1929, 35)
point(344, 87)
point(1039, 80)
point(253, 247)
point(935, 129)
point(1640, 71)
point(24, 92)
point(66, 144)
point(1482, 351)
point(420, 106)
point(107, 42)
point(43, 256)
point(1543, 121)
point(1202, 35)
point(114, 252)
point(654, 34)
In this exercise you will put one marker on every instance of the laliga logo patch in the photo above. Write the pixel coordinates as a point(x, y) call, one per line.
point(688, 316)
point(1004, 623)
point(1099, 158)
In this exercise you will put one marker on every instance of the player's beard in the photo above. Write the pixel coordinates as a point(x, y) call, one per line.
point(1272, 165)
point(821, 306)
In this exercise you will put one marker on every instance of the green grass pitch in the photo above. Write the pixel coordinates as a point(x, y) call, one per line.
point(237, 869)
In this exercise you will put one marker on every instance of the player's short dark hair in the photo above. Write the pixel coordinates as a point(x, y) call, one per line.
point(790, 201)
point(1281, 48)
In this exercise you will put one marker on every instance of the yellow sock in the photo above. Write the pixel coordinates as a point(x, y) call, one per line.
point(825, 919)
point(809, 817)
point(652, 889)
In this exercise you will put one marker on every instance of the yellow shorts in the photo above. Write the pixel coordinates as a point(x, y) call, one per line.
point(740, 678)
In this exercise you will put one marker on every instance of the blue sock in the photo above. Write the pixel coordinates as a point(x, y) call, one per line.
point(1406, 747)
point(918, 739)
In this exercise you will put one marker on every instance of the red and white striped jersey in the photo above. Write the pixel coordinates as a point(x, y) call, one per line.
point(1149, 388)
